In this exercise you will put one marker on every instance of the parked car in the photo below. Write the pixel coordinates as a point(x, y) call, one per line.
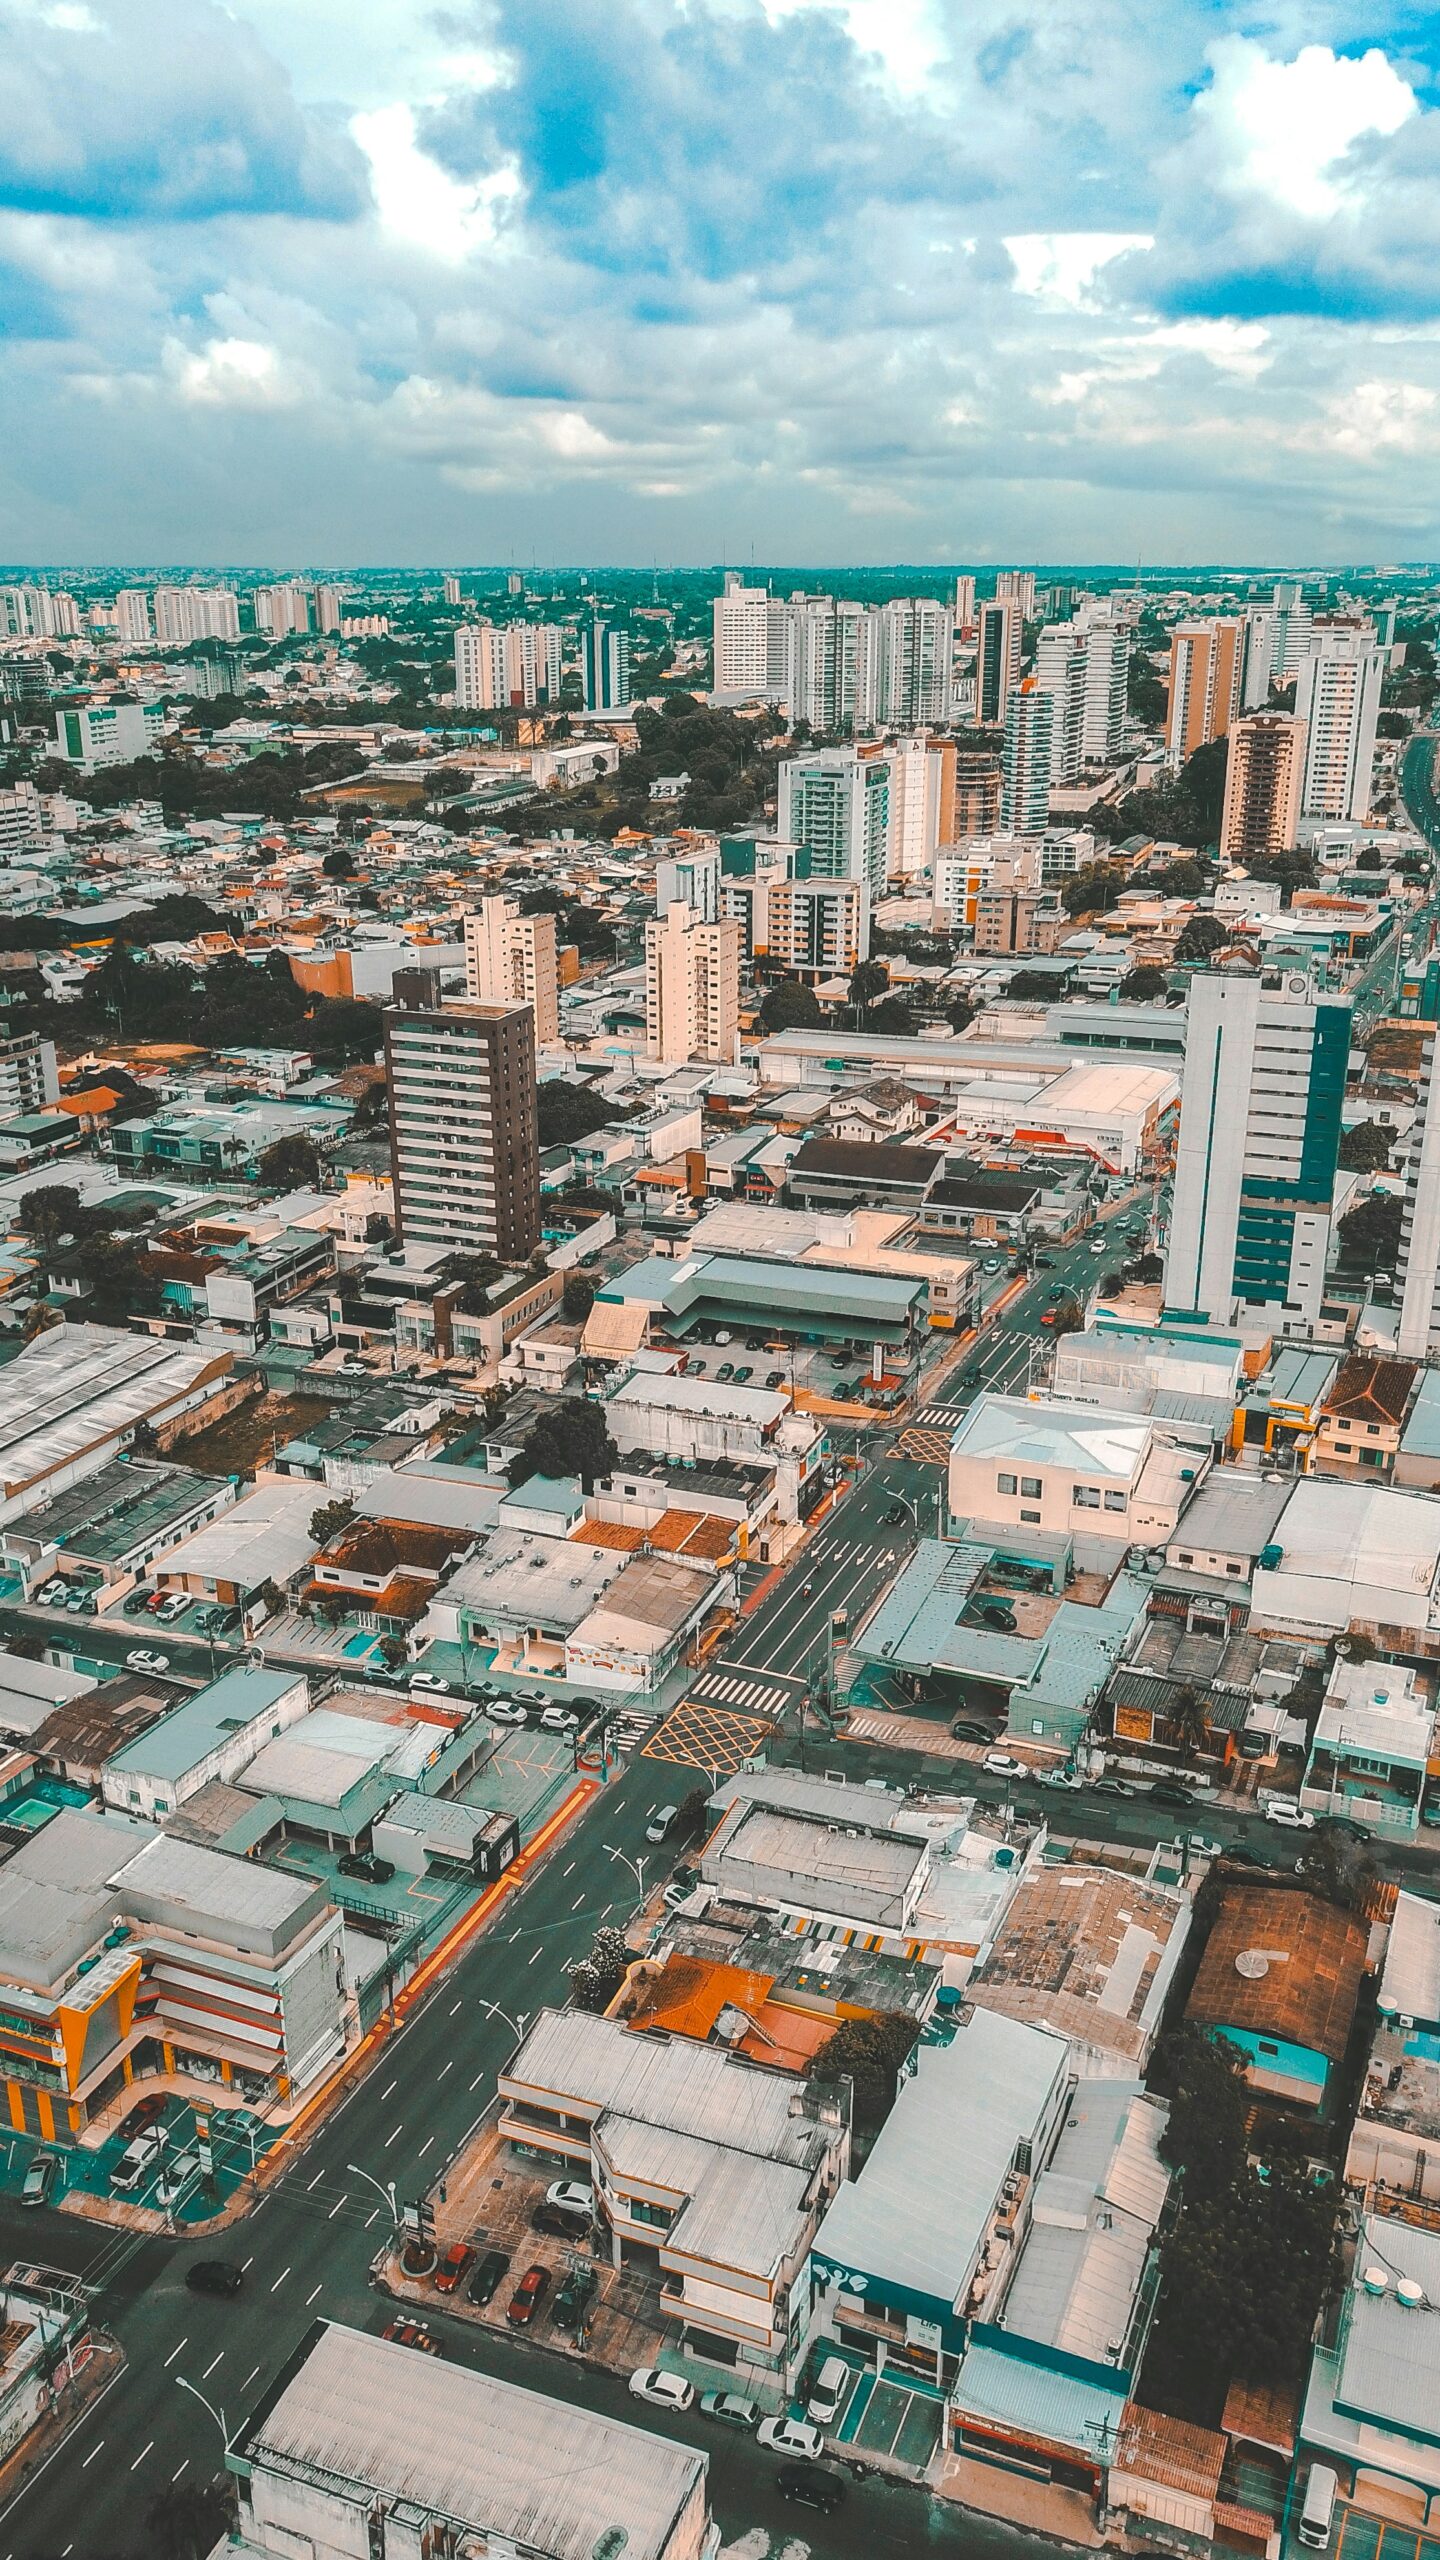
point(560, 2221)
point(1343, 1825)
point(1069, 1779)
point(363, 1864)
point(662, 1822)
point(454, 2266)
point(215, 2275)
point(726, 1370)
point(661, 2390)
point(1235, 1854)
point(410, 2333)
point(997, 1614)
point(505, 1711)
point(573, 2195)
point(775, 1378)
point(527, 2297)
point(574, 2298)
point(485, 2282)
point(430, 1680)
point(966, 1729)
point(51, 1594)
point(1001, 1765)
point(134, 1604)
point(1170, 1791)
point(148, 2110)
point(808, 2485)
point(138, 1659)
point(729, 2408)
point(1112, 1787)
point(794, 2436)
point(559, 1720)
point(136, 2161)
point(827, 2392)
point(175, 2178)
point(40, 2178)
point(1289, 1817)
point(173, 1605)
point(994, 1262)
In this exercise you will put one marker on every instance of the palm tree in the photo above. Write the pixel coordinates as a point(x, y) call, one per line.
point(1187, 1721)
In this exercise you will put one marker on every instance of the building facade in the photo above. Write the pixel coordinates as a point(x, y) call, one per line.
point(1206, 672)
point(1263, 775)
point(692, 988)
point(464, 1148)
point(511, 959)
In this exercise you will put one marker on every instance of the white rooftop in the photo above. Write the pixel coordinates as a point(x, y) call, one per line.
point(1082, 1437)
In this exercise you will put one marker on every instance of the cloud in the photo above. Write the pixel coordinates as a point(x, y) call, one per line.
point(1284, 130)
point(157, 107)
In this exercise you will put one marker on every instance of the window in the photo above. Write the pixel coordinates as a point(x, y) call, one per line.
point(1085, 1497)
point(1005, 1484)
point(1031, 1488)
point(1115, 1501)
point(1032, 1518)
point(1269, 2048)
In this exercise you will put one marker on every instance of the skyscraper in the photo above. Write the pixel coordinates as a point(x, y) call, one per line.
point(509, 666)
point(836, 802)
point(692, 989)
point(997, 664)
point(1017, 586)
point(922, 802)
point(450, 587)
point(282, 610)
point(132, 615)
point(1264, 1081)
point(904, 680)
point(1418, 1333)
point(183, 614)
point(329, 607)
point(1062, 658)
point(740, 624)
point(1107, 690)
point(1029, 748)
point(1206, 666)
point(691, 879)
point(965, 603)
point(511, 959)
point(464, 1147)
point(1262, 786)
point(1337, 695)
point(606, 664)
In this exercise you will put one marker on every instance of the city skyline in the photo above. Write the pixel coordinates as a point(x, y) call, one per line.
point(867, 283)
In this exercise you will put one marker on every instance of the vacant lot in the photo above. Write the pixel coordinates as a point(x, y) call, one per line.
point(242, 1440)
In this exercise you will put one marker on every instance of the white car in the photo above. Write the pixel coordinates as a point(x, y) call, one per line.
point(1289, 1817)
point(1001, 1765)
point(429, 1680)
point(140, 1660)
point(505, 1711)
point(572, 2195)
point(661, 2390)
point(1065, 1778)
point(175, 2179)
point(793, 2436)
point(728, 2408)
point(52, 1593)
point(559, 1720)
point(174, 1607)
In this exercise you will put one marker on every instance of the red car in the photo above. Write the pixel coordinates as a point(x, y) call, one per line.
point(454, 2267)
point(408, 2333)
point(148, 2110)
point(527, 2297)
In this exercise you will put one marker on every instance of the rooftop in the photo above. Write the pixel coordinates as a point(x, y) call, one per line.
point(1368, 1390)
point(1081, 1437)
point(1281, 1964)
point(202, 1723)
point(1089, 1952)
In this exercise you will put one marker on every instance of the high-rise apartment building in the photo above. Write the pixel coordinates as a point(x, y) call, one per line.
point(105, 733)
point(22, 824)
point(965, 604)
point(282, 610)
point(922, 802)
point(976, 809)
point(1061, 669)
point(1017, 586)
point(1290, 629)
point(605, 658)
point(1029, 751)
point(450, 587)
point(329, 607)
point(132, 615)
point(1264, 1081)
point(690, 879)
point(464, 1148)
point(38, 613)
point(692, 989)
point(1206, 667)
point(904, 672)
point(1418, 1334)
point(507, 666)
point(183, 614)
point(1259, 658)
point(1262, 786)
point(997, 663)
point(740, 622)
point(1107, 690)
point(1337, 695)
point(29, 1075)
point(511, 959)
point(835, 801)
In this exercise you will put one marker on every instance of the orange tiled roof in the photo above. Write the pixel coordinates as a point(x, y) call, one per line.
point(692, 1533)
point(622, 1537)
point(687, 1996)
point(1171, 2451)
point(90, 1099)
point(1261, 2413)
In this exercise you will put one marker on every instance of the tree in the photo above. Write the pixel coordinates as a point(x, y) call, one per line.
point(868, 980)
point(790, 1007)
point(870, 2053)
point(577, 1297)
point(1337, 1868)
point(1367, 1147)
point(477, 1274)
point(48, 1213)
point(117, 1278)
point(596, 1978)
point(891, 1015)
point(1183, 878)
point(574, 1440)
point(339, 863)
point(1199, 937)
point(331, 1518)
point(187, 2520)
point(1143, 985)
point(1370, 1232)
point(290, 1161)
point(393, 1651)
point(1028, 986)
point(569, 1111)
point(1093, 889)
point(1186, 1720)
point(378, 1229)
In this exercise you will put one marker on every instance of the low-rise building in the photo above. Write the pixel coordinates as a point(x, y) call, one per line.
point(1394, 2155)
point(1278, 1983)
point(1362, 1417)
point(1372, 1747)
point(264, 1538)
point(1371, 2398)
point(119, 1520)
point(1353, 1558)
point(444, 2459)
point(214, 1734)
point(711, 2167)
point(77, 1394)
point(1074, 1470)
point(1091, 1953)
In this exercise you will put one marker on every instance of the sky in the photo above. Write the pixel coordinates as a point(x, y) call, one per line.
point(322, 282)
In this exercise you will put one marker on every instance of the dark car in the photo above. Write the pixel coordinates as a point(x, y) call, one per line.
point(994, 1613)
point(561, 2221)
point(527, 2297)
point(215, 2275)
point(896, 1513)
point(1044, 1262)
point(575, 2297)
point(147, 2110)
point(1237, 1855)
point(1170, 1791)
point(1112, 1787)
point(485, 2282)
point(804, 2484)
point(369, 1869)
point(965, 1729)
point(1342, 1826)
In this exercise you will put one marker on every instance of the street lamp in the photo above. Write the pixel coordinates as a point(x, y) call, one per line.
point(636, 1867)
point(517, 2026)
point(209, 2406)
point(382, 2187)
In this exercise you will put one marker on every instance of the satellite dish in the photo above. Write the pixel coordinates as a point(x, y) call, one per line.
point(1252, 1964)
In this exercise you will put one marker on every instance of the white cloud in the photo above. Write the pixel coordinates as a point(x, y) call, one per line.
point(1380, 417)
point(1061, 266)
point(416, 201)
point(1281, 129)
point(230, 373)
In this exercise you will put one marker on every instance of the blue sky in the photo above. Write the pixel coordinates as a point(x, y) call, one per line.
point(332, 280)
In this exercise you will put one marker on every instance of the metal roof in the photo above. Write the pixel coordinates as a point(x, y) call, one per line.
point(82, 1384)
point(546, 2474)
point(1388, 2370)
point(1082, 1437)
point(212, 1716)
point(1038, 2400)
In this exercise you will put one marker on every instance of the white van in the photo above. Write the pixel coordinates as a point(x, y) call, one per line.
point(828, 2394)
point(1318, 2511)
point(137, 2160)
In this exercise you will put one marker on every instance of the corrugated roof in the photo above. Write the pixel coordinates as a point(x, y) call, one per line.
point(548, 2474)
point(1036, 2400)
point(1308, 1965)
point(177, 1741)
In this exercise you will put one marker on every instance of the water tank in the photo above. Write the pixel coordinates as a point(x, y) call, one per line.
point(1409, 2294)
point(1154, 1559)
point(1271, 1557)
point(1375, 2281)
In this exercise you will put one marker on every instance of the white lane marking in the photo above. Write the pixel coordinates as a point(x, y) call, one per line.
point(90, 2457)
point(390, 2084)
point(538, 1951)
point(567, 1871)
point(139, 2458)
point(578, 1902)
point(209, 2369)
point(185, 2465)
point(279, 2279)
point(314, 2297)
point(450, 2065)
point(336, 2208)
point(249, 2378)
point(392, 2137)
point(176, 2351)
point(475, 2083)
point(312, 2183)
point(425, 2146)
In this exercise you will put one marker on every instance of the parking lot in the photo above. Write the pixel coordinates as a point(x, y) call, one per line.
point(238, 2138)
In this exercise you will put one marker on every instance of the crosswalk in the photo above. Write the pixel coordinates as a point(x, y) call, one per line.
point(939, 1417)
point(756, 1693)
point(629, 1729)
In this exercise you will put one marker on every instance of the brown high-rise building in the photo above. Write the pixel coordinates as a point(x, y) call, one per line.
point(1263, 776)
point(464, 1143)
point(975, 805)
point(1207, 664)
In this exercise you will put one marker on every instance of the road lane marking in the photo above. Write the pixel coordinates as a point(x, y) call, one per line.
point(538, 1951)
point(392, 2137)
point(425, 2146)
point(279, 2279)
point(246, 2265)
point(185, 2465)
point(249, 2378)
point(372, 2216)
point(389, 2085)
point(313, 2183)
point(139, 2458)
point(576, 1904)
point(567, 1871)
point(450, 2065)
point(209, 2369)
point(337, 2208)
point(475, 2083)
point(90, 2457)
point(312, 2297)
point(176, 2351)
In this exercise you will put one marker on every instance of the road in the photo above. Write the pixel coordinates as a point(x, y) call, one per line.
point(309, 2245)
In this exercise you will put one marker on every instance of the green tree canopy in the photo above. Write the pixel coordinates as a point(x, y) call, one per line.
point(573, 1440)
point(870, 2053)
point(790, 1007)
point(1367, 1147)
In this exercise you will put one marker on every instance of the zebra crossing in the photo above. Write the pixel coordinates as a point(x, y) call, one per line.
point(756, 1693)
point(629, 1729)
point(939, 1417)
